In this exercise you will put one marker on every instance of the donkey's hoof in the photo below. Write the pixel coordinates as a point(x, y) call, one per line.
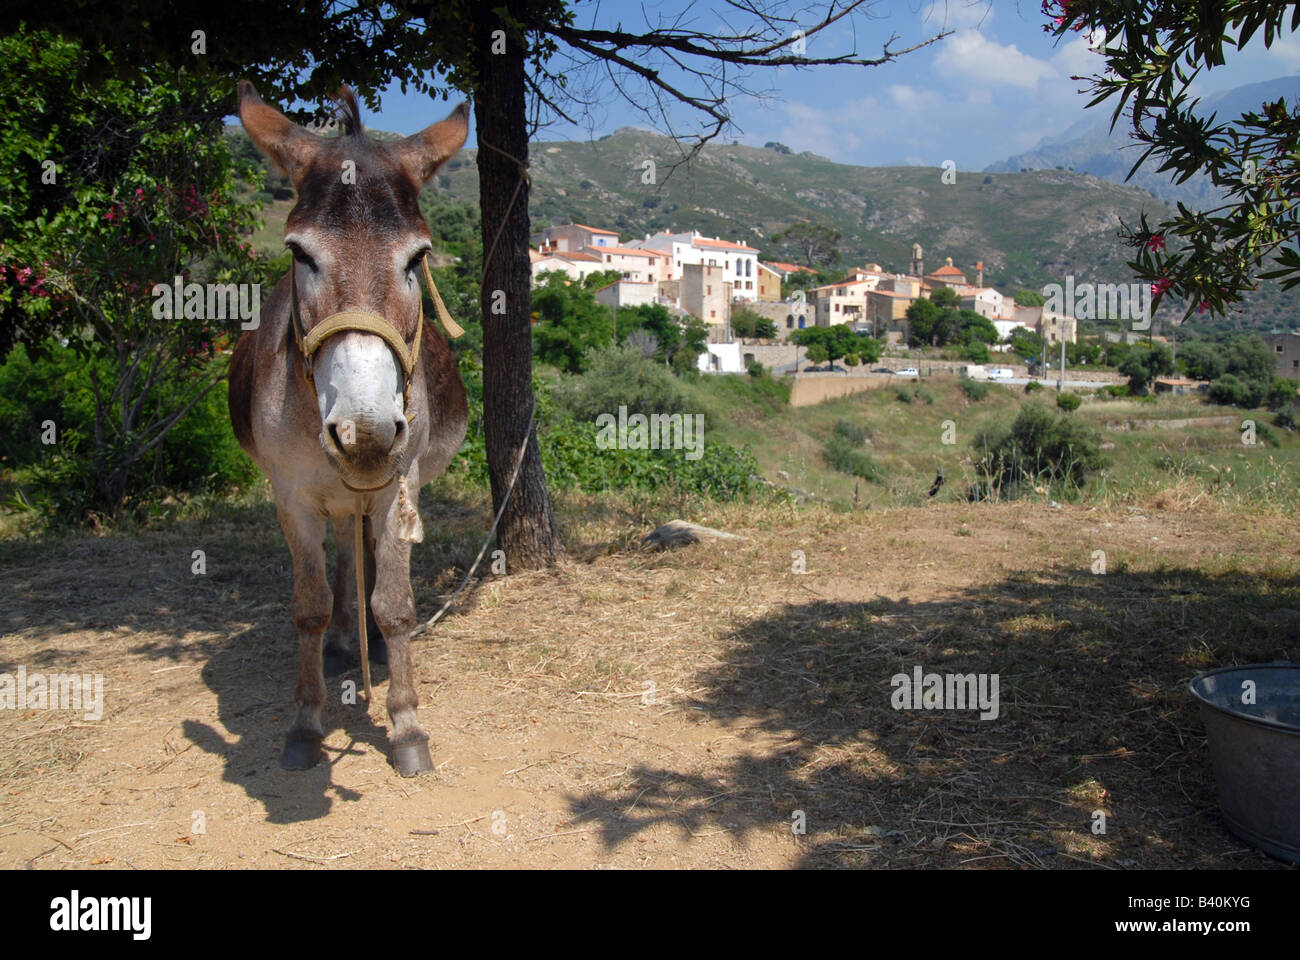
point(301, 752)
point(337, 660)
point(412, 758)
point(378, 650)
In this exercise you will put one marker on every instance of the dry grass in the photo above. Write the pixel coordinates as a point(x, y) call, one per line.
point(665, 708)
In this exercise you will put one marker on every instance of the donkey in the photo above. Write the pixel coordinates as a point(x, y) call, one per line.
point(354, 421)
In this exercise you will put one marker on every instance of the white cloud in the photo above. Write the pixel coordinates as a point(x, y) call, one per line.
point(953, 14)
point(969, 56)
point(1080, 57)
point(910, 98)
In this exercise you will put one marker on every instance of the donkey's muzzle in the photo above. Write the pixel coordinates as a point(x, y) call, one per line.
point(365, 441)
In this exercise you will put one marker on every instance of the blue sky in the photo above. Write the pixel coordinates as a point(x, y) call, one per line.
point(992, 89)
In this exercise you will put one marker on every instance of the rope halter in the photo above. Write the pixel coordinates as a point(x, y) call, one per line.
point(311, 341)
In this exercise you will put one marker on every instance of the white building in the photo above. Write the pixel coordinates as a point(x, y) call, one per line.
point(721, 358)
point(640, 265)
point(574, 265)
point(739, 262)
point(628, 293)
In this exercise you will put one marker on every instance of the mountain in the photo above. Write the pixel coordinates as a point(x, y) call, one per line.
point(1089, 146)
point(1029, 229)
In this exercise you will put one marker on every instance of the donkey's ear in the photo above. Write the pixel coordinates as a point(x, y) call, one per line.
point(287, 144)
point(423, 153)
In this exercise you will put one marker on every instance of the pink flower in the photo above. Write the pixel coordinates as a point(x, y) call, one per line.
point(1155, 242)
point(1159, 288)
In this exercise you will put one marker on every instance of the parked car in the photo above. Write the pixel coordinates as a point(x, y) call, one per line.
point(909, 372)
point(1001, 373)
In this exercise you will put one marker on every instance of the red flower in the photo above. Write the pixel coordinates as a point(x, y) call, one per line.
point(1160, 286)
point(1155, 242)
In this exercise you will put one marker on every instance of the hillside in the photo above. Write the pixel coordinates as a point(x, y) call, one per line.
point(1029, 229)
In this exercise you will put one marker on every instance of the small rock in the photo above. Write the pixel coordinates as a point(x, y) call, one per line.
point(679, 533)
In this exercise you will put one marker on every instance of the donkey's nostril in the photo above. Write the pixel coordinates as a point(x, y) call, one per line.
point(334, 435)
point(399, 428)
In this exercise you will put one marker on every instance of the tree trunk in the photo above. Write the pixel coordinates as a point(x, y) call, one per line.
point(527, 532)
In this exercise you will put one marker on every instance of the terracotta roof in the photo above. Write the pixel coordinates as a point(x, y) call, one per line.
point(632, 251)
point(707, 242)
point(568, 255)
point(842, 283)
point(790, 267)
point(612, 233)
point(946, 271)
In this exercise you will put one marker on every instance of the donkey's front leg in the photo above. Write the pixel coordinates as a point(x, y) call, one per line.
point(394, 606)
point(304, 529)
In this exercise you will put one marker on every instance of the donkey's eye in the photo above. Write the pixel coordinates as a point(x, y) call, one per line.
point(302, 257)
point(415, 261)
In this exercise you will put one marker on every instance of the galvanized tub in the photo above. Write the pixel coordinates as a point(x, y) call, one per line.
point(1255, 748)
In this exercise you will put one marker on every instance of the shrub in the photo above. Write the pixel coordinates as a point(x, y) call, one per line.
point(199, 454)
point(851, 432)
point(615, 377)
point(975, 389)
point(1284, 419)
point(1231, 391)
point(1040, 445)
point(904, 395)
point(1068, 401)
point(842, 455)
point(1281, 393)
point(1116, 390)
point(1032, 386)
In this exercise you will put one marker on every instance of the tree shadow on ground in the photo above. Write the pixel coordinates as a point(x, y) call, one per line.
point(1094, 715)
point(105, 604)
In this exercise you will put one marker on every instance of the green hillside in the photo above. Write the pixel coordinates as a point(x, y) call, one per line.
point(1029, 228)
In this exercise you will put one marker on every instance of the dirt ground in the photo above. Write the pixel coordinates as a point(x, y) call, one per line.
point(676, 709)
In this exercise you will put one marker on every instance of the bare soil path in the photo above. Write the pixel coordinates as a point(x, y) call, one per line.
point(678, 709)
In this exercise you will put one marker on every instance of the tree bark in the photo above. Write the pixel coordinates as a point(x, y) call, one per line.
point(527, 531)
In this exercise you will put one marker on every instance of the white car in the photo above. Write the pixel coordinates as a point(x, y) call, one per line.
point(908, 372)
point(1001, 373)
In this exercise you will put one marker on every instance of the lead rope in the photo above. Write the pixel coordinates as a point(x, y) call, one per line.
point(514, 475)
point(360, 555)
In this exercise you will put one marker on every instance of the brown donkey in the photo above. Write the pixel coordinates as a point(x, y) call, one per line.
point(347, 399)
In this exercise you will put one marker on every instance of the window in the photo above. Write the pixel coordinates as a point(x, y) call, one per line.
point(1278, 348)
point(712, 314)
point(749, 268)
point(789, 322)
point(708, 291)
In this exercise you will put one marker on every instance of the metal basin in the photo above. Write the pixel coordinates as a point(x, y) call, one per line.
point(1255, 748)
